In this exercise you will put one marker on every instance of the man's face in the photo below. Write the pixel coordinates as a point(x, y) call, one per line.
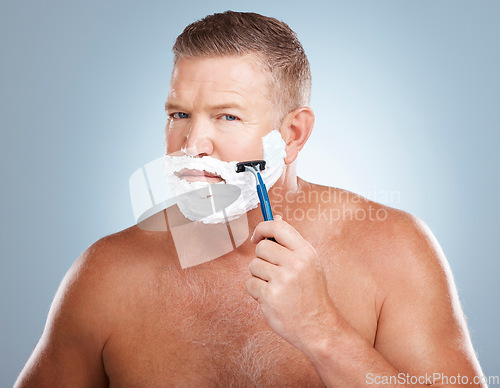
point(219, 107)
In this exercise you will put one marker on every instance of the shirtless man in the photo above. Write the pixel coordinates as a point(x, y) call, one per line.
point(345, 302)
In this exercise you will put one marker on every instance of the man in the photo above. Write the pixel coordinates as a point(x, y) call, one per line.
point(362, 300)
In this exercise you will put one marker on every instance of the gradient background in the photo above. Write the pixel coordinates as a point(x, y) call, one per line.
point(406, 96)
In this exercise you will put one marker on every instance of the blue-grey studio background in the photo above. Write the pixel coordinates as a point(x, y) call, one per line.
point(407, 101)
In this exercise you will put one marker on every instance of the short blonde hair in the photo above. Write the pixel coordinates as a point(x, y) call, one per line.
point(273, 43)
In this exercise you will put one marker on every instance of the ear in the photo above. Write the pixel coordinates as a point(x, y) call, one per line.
point(296, 129)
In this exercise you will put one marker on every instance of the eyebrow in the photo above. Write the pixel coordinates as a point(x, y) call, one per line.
point(169, 106)
point(172, 106)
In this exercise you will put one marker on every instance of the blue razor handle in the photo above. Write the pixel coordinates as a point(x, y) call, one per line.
point(265, 204)
point(254, 166)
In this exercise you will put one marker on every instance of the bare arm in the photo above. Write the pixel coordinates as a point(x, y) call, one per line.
point(421, 329)
point(69, 353)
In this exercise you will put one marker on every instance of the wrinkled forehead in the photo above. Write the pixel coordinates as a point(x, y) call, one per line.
point(243, 75)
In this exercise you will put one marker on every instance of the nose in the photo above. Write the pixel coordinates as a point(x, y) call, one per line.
point(198, 141)
point(198, 147)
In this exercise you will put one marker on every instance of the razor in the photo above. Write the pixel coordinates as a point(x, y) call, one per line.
point(255, 166)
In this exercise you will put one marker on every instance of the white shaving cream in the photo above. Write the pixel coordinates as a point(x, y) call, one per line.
point(194, 206)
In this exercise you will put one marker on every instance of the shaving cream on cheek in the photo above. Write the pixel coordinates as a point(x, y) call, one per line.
point(194, 206)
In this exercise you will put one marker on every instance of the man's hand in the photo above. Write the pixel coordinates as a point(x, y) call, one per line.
point(290, 285)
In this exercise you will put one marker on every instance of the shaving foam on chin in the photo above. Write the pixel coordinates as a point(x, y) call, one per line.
point(194, 206)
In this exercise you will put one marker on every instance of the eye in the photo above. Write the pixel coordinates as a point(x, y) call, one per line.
point(229, 117)
point(179, 115)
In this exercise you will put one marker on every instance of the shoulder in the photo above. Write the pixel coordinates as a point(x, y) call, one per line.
point(374, 223)
point(398, 249)
point(392, 242)
point(108, 273)
point(87, 290)
point(130, 248)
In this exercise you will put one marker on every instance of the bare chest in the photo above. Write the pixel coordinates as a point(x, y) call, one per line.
point(203, 329)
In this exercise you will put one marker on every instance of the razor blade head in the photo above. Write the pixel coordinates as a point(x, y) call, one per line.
point(261, 164)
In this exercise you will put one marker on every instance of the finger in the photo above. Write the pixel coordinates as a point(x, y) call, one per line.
point(262, 269)
point(282, 231)
point(272, 252)
point(255, 288)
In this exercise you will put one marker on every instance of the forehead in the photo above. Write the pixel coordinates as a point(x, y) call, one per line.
point(242, 76)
